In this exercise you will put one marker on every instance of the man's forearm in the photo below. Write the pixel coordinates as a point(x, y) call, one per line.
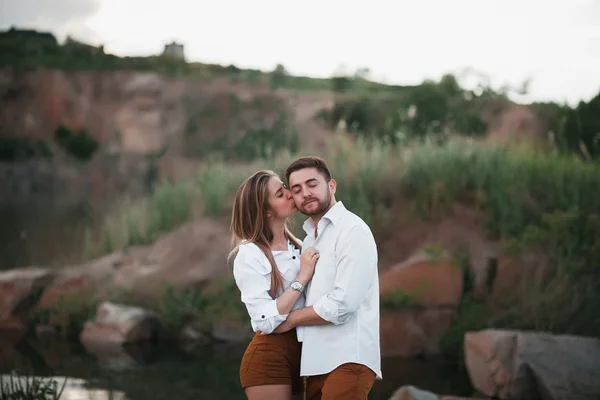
point(305, 316)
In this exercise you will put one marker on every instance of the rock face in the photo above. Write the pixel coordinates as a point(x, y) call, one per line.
point(133, 115)
point(536, 366)
point(429, 282)
point(413, 332)
point(126, 111)
point(434, 288)
point(119, 324)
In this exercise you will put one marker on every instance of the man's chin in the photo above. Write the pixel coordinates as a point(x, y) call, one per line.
point(304, 211)
point(310, 213)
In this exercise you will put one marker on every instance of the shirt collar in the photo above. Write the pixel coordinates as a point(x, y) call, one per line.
point(333, 215)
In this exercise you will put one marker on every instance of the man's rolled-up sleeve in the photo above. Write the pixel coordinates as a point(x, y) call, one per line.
point(354, 275)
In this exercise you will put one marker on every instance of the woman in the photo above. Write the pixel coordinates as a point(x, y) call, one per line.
point(271, 275)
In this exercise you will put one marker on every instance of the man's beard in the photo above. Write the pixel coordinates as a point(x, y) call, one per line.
point(323, 206)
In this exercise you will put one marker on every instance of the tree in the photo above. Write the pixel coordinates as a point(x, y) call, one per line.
point(279, 76)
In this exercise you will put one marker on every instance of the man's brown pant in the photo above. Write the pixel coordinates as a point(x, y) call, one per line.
point(347, 382)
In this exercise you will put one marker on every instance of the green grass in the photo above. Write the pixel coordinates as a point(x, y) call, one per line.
point(398, 300)
point(28, 387)
point(515, 187)
point(210, 193)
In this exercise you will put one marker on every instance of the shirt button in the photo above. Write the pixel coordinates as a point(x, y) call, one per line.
point(262, 316)
point(294, 257)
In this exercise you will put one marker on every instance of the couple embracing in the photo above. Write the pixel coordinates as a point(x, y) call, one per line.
point(314, 304)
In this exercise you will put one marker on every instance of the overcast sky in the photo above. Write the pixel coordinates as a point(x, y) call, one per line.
point(556, 43)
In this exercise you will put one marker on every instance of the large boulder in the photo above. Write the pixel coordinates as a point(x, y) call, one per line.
point(230, 330)
point(428, 281)
point(418, 300)
point(80, 283)
point(19, 291)
point(413, 332)
point(119, 324)
point(192, 255)
point(412, 393)
point(531, 365)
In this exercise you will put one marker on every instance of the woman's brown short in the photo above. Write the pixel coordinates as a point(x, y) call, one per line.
point(272, 360)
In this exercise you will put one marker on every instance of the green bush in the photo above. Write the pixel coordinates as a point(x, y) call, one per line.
point(77, 143)
point(177, 308)
point(265, 143)
point(398, 300)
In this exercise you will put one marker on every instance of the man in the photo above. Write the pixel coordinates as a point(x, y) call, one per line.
point(339, 327)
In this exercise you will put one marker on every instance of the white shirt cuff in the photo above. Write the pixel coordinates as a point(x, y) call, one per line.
point(269, 311)
point(327, 310)
point(269, 318)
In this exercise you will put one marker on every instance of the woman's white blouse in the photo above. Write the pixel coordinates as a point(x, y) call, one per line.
point(252, 273)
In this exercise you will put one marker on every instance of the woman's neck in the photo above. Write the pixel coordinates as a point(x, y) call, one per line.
point(280, 241)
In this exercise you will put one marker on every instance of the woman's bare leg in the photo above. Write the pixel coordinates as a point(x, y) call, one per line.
point(275, 392)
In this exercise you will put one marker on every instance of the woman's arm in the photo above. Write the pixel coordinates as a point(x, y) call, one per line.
point(252, 271)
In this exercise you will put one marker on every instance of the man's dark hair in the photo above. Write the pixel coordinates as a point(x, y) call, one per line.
point(309, 162)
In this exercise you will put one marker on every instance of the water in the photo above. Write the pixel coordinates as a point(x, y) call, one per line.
point(46, 232)
point(168, 372)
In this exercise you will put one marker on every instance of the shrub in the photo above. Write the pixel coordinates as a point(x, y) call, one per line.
point(77, 143)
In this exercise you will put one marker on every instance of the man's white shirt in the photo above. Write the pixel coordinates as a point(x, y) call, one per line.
point(344, 290)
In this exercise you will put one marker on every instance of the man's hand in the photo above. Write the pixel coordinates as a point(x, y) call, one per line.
point(284, 327)
point(302, 317)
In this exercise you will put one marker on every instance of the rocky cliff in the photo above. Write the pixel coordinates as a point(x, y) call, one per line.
point(127, 112)
point(134, 114)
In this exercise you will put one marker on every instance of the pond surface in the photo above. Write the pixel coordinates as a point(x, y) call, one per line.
point(169, 372)
point(46, 232)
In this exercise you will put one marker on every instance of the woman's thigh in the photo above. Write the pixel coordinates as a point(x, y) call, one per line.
point(283, 392)
point(271, 363)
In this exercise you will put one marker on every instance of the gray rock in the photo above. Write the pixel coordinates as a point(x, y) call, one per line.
point(412, 393)
point(534, 366)
point(118, 324)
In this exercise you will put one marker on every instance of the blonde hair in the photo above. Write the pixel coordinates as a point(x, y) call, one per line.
point(249, 222)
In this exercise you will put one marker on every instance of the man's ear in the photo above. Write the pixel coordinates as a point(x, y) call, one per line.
point(332, 185)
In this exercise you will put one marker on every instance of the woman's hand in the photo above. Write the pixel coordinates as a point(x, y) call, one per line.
point(308, 259)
